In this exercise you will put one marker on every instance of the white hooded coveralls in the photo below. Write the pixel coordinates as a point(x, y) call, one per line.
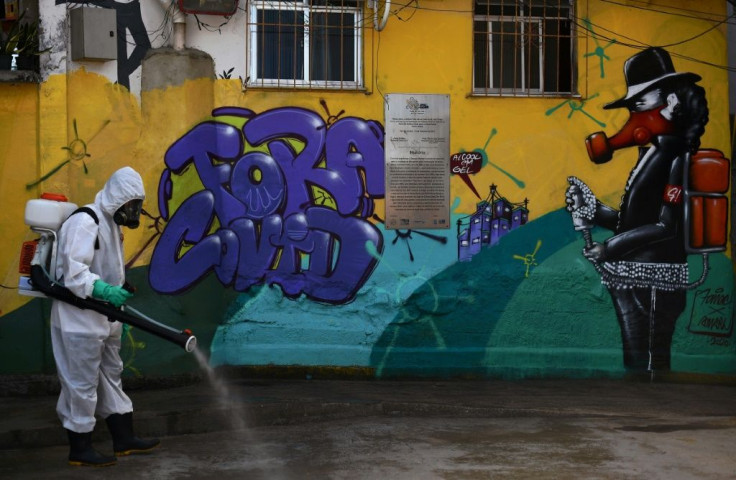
point(85, 343)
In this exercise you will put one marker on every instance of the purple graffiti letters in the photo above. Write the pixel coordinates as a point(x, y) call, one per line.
point(351, 145)
point(257, 254)
point(336, 252)
point(170, 270)
point(348, 146)
point(203, 144)
point(352, 262)
point(259, 184)
point(270, 226)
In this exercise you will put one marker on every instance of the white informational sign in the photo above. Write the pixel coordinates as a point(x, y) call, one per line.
point(417, 146)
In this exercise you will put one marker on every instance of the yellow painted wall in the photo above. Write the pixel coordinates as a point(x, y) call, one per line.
point(18, 161)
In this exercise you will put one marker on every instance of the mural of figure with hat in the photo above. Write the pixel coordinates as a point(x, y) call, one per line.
point(644, 263)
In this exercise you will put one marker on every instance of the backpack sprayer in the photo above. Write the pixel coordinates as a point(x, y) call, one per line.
point(38, 257)
point(704, 196)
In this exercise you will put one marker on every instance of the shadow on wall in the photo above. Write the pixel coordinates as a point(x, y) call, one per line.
point(445, 327)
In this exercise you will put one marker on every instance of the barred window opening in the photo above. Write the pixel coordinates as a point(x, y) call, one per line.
point(524, 48)
point(305, 44)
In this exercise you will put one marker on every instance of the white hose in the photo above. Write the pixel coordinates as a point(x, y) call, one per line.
point(386, 10)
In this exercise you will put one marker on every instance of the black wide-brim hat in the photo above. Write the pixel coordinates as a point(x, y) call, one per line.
point(648, 69)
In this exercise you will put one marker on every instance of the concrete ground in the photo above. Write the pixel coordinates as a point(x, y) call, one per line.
point(295, 429)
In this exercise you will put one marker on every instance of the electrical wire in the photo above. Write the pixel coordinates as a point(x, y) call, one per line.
point(636, 44)
point(403, 7)
point(165, 28)
point(639, 45)
point(650, 9)
point(680, 42)
point(378, 87)
point(210, 28)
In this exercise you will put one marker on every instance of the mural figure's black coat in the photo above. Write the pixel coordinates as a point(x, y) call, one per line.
point(648, 229)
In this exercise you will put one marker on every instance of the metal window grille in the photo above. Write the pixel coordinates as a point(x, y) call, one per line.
point(305, 44)
point(524, 48)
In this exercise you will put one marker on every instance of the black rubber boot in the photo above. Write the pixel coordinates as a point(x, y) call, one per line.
point(82, 454)
point(124, 441)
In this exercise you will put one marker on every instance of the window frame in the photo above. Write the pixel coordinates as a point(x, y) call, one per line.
point(305, 8)
point(524, 21)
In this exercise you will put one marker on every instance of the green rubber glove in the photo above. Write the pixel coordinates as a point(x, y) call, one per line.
point(109, 293)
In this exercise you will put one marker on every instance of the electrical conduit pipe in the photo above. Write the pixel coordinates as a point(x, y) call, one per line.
point(180, 23)
point(386, 9)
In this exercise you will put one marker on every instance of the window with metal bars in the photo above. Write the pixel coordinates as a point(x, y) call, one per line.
point(524, 48)
point(305, 44)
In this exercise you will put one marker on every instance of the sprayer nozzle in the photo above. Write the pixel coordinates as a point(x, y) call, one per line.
point(191, 344)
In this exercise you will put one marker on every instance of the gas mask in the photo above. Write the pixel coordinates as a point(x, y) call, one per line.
point(129, 215)
point(638, 130)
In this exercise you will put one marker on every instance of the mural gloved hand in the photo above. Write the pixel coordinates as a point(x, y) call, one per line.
point(110, 293)
point(595, 253)
point(581, 203)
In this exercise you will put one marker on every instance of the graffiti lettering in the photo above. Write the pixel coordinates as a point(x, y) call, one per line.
point(673, 194)
point(466, 162)
point(716, 323)
point(711, 312)
point(715, 298)
point(720, 341)
point(294, 218)
point(467, 158)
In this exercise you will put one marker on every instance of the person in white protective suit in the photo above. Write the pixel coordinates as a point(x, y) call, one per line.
point(86, 344)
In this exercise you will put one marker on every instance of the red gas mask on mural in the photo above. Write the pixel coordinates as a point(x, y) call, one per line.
point(638, 130)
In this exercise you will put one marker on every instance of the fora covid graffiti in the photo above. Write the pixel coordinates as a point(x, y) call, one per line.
point(284, 200)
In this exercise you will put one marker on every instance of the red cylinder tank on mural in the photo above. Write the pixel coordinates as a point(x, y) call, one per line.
point(707, 203)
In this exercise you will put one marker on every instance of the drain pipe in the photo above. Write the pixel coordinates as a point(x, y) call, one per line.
point(180, 23)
